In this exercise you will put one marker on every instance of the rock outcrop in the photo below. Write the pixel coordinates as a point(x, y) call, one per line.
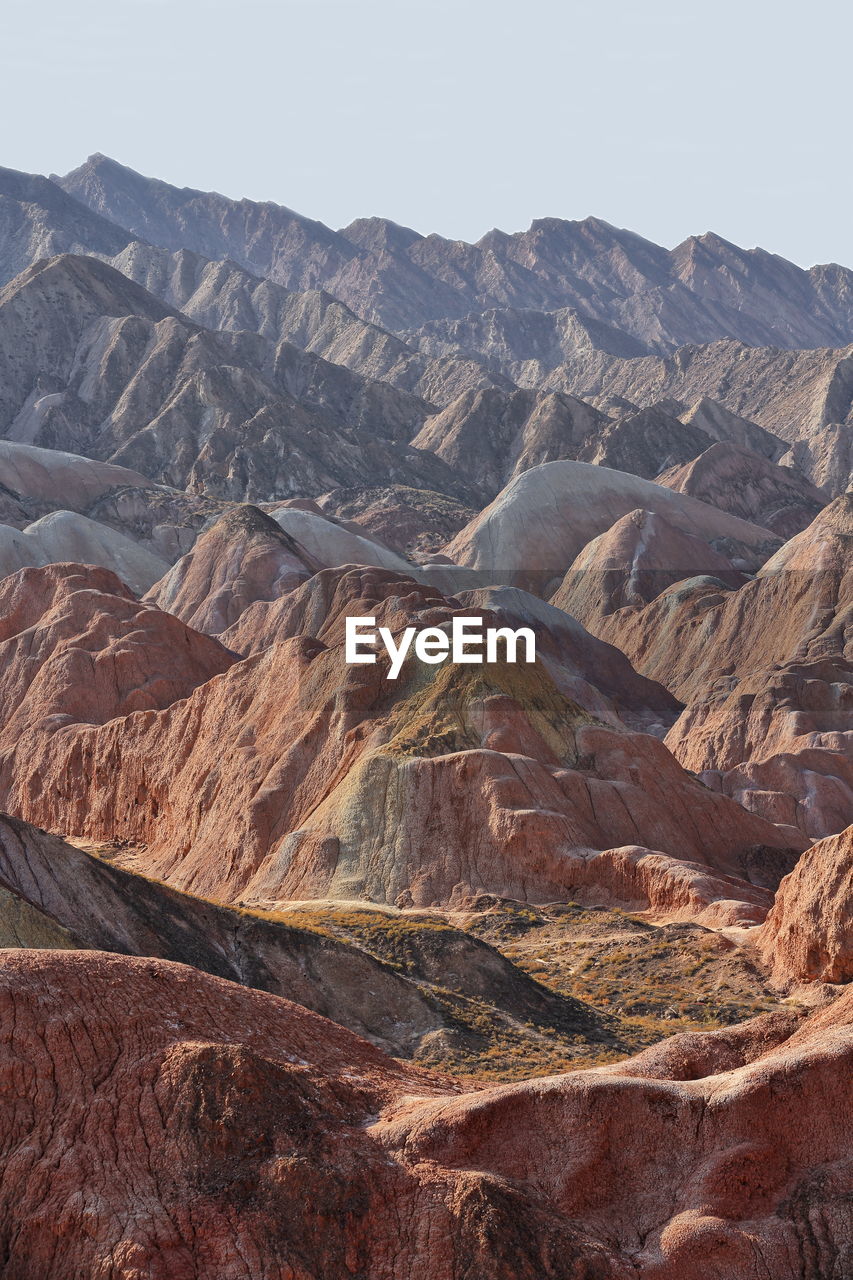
point(76, 647)
point(791, 394)
point(794, 608)
point(776, 733)
point(826, 457)
point(736, 480)
point(39, 220)
point(721, 424)
point(646, 443)
point(766, 673)
point(596, 676)
point(633, 562)
point(808, 936)
point(221, 295)
point(91, 362)
point(244, 557)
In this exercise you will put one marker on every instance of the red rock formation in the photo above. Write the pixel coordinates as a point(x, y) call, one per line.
point(700, 1177)
point(736, 480)
point(636, 879)
point(793, 610)
point(778, 741)
point(244, 557)
point(295, 775)
point(319, 608)
point(766, 672)
point(808, 935)
point(632, 563)
point(76, 646)
point(596, 676)
point(163, 1122)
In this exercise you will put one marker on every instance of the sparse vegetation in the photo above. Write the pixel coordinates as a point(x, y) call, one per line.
point(655, 980)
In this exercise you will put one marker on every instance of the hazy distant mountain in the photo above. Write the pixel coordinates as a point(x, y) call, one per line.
point(792, 394)
point(38, 220)
point(221, 295)
point(701, 291)
point(579, 309)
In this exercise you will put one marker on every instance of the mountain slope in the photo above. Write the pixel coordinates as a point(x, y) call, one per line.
point(91, 362)
point(539, 523)
point(40, 220)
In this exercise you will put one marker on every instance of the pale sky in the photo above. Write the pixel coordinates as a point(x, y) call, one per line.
point(667, 117)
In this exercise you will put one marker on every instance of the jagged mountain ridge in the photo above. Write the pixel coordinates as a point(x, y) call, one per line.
point(93, 363)
point(703, 290)
point(566, 350)
point(39, 220)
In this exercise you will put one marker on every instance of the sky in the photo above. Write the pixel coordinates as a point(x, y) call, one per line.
point(668, 118)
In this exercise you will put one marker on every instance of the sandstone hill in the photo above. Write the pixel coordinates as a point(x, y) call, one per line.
point(220, 1102)
point(244, 557)
point(534, 529)
point(740, 482)
point(764, 668)
point(293, 775)
point(67, 536)
point(632, 563)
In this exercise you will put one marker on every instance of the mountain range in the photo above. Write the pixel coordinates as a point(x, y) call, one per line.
point(500, 971)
